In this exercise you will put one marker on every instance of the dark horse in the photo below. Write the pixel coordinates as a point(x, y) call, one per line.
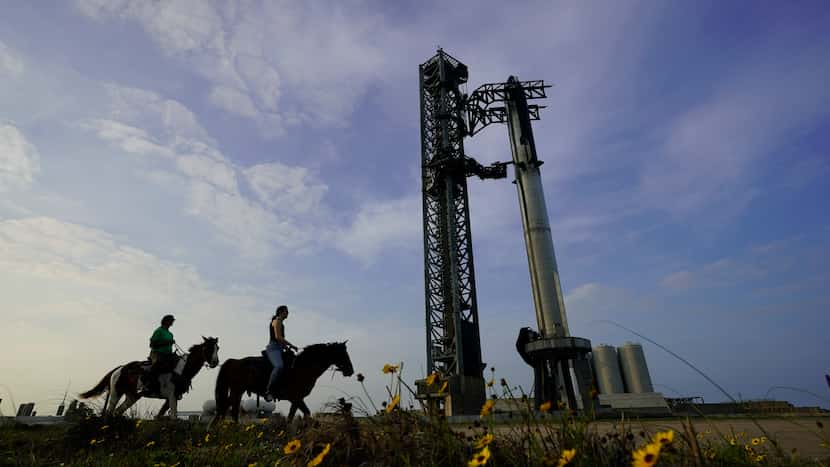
point(122, 380)
point(250, 374)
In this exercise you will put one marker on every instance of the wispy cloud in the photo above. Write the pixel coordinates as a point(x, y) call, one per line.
point(19, 159)
point(11, 65)
point(380, 226)
point(710, 157)
point(240, 50)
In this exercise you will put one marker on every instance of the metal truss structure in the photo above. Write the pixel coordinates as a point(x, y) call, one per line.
point(481, 112)
point(453, 339)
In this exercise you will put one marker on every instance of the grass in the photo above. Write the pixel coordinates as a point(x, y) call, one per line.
point(391, 436)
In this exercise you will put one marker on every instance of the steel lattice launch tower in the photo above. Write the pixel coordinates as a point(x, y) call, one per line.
point(453, 340)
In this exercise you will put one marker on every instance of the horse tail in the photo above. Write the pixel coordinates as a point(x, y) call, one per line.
point(99, 388)
point(222, 387)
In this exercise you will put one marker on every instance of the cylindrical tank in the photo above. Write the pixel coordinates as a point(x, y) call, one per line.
point(634, 368)
point(607, 368)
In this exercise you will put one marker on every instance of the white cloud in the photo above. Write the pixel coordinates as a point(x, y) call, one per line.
point(207, 180)
point(255, 231)
point(11, 65)
point(233, 100)
point(679, 280)
point(150, 110)
point(210, 170)
point(724, 272)
point(290, 189)
point(382, 225)
point(128, 138)
point(19, 159)
point(253, 59)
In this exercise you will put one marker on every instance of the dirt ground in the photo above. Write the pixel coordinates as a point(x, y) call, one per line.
point(800, 433)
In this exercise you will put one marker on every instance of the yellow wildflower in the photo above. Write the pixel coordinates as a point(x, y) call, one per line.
point(487, 407)
point(443, 387)
point(319, 459)
point(491, 383)
point(138, 423)
point(431, 379)
point(150, 444)
point(292, 447)
point(647, 456)
point(207, 437)
point(393, 404)
point(249, 427)
point(105, 427)
point(390, 368)
point(760, 458)
point(480, 458)
point(483, 441)
point(664, 437)
point(259, 435)
point(252, 465)
point(756, 441)
point(92, 442)
point(545, 407)
point(566, 457)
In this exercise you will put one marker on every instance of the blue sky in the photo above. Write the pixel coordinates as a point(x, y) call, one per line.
point(213, 160)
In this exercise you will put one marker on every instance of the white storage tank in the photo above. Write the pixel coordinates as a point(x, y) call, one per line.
point(634, 369)
point(607, 368)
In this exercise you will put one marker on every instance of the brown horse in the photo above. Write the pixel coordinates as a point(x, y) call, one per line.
point(250, 374)
point(123, 380)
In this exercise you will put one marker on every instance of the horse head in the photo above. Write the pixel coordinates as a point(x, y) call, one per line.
point(210, 350)
point(341, 359)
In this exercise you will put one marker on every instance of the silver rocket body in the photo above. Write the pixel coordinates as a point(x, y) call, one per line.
point(544, 274)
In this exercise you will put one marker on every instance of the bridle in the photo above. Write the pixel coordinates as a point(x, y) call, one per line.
point(205, 357)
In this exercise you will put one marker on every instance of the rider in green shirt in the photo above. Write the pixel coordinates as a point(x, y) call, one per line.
point(162, 340)
point(161, 351)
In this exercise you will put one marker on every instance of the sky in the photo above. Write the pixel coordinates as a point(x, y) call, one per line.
point(213, 160)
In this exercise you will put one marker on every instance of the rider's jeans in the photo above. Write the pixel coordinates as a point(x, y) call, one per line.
point(274, 352)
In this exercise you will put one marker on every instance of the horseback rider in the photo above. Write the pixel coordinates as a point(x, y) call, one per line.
point(162, 357)
point(277, 344)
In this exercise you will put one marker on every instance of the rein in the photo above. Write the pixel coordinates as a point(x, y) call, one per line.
point(182, 353)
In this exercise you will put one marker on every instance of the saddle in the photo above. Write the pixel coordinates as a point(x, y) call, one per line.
point(263, 367)
point(150, 381)
point(288, 357)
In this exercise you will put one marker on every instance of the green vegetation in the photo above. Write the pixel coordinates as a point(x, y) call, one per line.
point(394, 436)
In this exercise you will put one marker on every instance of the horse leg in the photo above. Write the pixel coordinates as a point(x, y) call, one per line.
point(304, 409)
point(174, 402)
point(129, 400)
point(292, 411)
point(168, 389)
point(235, 400)
point(114, 395)
point(163, 410)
